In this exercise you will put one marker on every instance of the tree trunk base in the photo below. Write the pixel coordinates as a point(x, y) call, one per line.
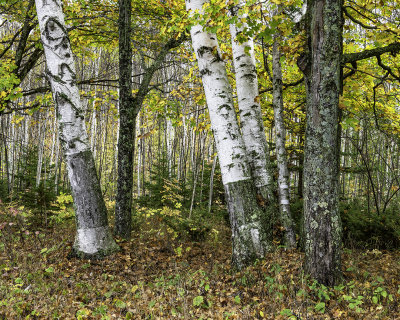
point(93, 243)
point(251, 239)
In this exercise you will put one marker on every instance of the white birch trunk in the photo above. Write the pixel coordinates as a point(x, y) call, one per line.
point(170, 145)
point(41, 142)
point(249, 237)
point(93, 132)
point(10, 156)
point(139, 155)
point(210, 193)
point(93, 127)
point(93, 238)
point(26, 133)
point(53, 140)
point(56, 161)
point(281, 155)
point(250, 112)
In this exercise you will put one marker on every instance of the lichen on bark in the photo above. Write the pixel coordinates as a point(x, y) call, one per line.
point(250, 240)
point(322, 76)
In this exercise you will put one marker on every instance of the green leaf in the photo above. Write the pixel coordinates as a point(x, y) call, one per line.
point(49, 270)
point(237, 299)
point(197, 301)
point(120, 304)
point(286, 312)
point(320, 307)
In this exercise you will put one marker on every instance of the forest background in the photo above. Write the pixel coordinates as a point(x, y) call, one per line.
point(177, 263)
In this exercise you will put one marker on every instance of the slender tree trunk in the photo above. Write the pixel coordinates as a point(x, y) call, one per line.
point(169, 136)
point(300, 182)
point(322, 68)
point(56, 164)
point(251, 121)
point(123, 204)
point(41, 142)
point(10, 148)
point(281, 154)
point(7, 165)
point(93, 238)
point(211, 189)
point(53, 140)
point(139, 159)
point(93, 132)
point(250, 238)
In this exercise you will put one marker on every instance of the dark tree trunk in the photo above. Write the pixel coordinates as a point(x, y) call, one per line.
point(129, 108)
point(322, 70)
point(123, 204)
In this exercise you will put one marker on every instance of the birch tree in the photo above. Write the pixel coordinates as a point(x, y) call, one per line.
point(252, 126)
point(250, 238)
point(281, 154)
point(93, 237)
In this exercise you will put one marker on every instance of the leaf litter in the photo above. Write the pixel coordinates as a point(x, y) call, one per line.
point(153, 277)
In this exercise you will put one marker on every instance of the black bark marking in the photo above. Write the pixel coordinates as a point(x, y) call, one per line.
point(62, 99)
point(205, 72)
point(66, 72)
point(303, 62)
point(54, 30)
point(44, 3)
point(202, 50)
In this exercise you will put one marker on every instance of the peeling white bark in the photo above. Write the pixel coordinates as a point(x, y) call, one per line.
point(42, 138)
point(250, 238)
point(229, 142)
point(88, 240)
point(170, 136)
point(250, 111)
point(281, 154)
point(91, 213)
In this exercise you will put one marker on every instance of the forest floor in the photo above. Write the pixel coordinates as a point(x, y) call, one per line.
point(156, 278)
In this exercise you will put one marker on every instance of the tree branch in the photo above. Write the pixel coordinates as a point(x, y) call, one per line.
point(149, 72)
point(357, 56)
point(357, 21)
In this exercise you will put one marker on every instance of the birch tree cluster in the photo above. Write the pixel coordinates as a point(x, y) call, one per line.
point(246, 108)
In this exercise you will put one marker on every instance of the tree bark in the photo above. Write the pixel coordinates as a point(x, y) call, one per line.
point(93, 238)
point(281, 154)
point(123, 203)
point(251, 120)
point(250, 238)
point(129, 108)
point(322, 69)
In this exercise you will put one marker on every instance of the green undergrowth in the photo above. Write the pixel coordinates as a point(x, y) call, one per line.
point(362, 228)
point(165, 274)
